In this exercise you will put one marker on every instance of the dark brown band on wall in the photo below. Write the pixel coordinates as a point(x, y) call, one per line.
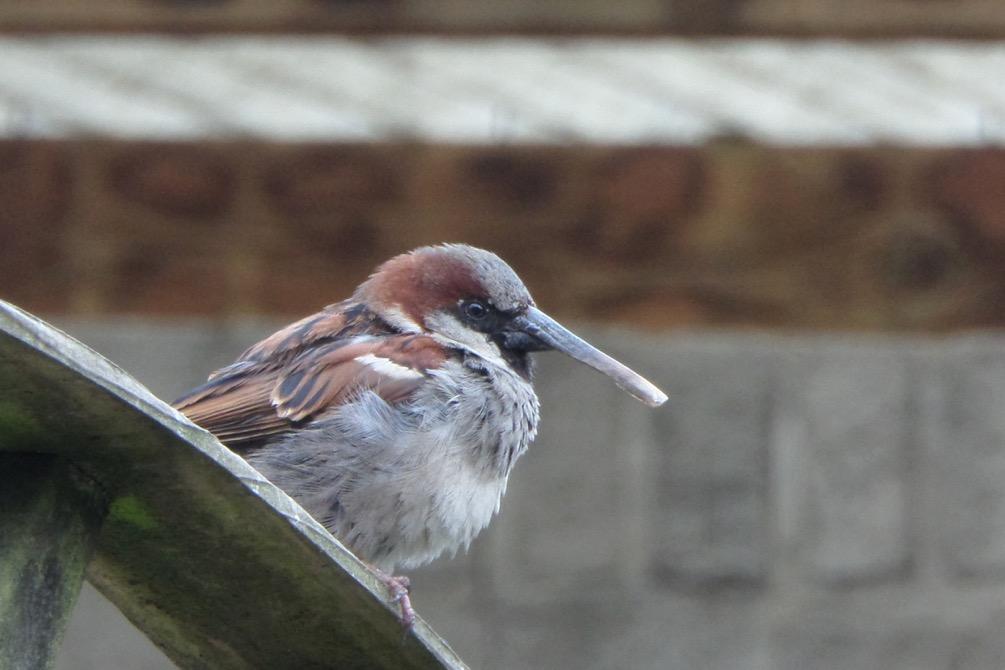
point(723, 235)
point(796, 18)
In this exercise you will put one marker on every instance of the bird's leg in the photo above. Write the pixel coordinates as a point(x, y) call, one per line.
point(399, 586)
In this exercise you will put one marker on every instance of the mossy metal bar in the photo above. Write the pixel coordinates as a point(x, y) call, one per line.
point(50, 515)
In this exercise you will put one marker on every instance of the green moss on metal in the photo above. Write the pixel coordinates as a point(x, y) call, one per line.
point(17, 426)
point(130, 510)
point(49, 520)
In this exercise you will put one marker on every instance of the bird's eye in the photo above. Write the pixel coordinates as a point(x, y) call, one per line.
point(476, 310)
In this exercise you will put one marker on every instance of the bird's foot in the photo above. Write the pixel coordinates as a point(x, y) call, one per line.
point(399, 586)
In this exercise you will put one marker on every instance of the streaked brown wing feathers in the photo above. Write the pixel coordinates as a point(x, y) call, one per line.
point(236, 410)
point(392, 367)
point(251, 401)
point(336, 322)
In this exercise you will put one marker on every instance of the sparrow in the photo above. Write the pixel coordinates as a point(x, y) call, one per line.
point(395, 417)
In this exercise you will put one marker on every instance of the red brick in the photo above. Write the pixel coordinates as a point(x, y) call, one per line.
point(184, 181)
point(36, 194)
point(639, 205)
point(143, 279)
point(332, 182)
point(969, 187)
point(796, 201)
point(510, 180)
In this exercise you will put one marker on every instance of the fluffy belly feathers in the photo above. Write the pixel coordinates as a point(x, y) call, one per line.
point(402, 485)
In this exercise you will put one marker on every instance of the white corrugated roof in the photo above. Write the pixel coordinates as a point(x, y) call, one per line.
point(504, 90)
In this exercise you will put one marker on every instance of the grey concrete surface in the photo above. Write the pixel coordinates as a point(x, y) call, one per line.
point(801, 502)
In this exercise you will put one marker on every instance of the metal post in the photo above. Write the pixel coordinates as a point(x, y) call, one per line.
point(50, 516)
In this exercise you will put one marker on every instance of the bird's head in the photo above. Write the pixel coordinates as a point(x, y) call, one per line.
point(472, 298)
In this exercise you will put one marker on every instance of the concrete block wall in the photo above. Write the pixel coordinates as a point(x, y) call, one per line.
point(801, 502)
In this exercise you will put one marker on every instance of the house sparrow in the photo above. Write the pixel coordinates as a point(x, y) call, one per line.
point(395, 417)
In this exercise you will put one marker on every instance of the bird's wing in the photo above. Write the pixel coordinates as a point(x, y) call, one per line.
point(252, 401)
point(336, 322)
point(234, 404)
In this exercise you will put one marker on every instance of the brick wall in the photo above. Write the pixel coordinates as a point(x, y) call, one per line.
point(727, 235)
point(801, 502)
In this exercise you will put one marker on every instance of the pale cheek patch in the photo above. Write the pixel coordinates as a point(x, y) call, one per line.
point(397, 318)
point(387, 367)
point(447, 328)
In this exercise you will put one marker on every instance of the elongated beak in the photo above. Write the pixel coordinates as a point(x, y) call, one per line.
point(539, 325)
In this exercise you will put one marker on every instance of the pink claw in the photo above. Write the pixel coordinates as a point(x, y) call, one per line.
point(399, 587)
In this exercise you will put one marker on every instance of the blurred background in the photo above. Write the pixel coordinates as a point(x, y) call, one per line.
point(788, 213)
